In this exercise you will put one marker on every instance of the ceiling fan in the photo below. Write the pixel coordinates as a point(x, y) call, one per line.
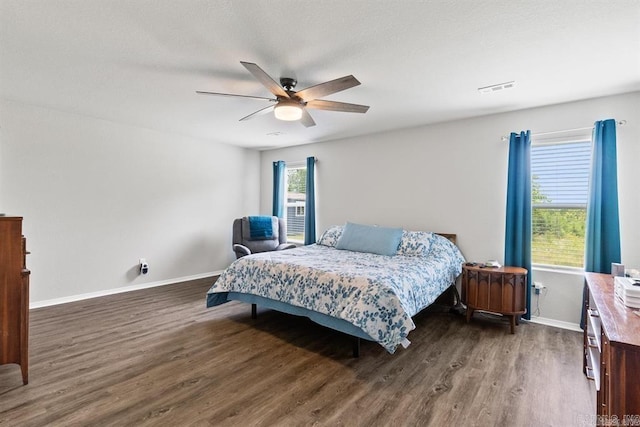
point(292, 105)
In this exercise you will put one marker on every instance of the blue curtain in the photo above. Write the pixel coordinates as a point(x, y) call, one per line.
point(602, 237)
point(517, 244)
point(310, 204)
point(278, 188)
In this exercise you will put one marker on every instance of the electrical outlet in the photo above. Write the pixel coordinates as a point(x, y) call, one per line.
point(144, 266)
point(538, 286)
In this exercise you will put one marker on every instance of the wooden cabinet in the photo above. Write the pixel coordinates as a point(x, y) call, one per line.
point(611, 352)
point(14, 296)
point(496, 290)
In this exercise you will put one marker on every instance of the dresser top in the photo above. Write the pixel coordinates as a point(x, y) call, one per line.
point(10, 218)
point(619, 322)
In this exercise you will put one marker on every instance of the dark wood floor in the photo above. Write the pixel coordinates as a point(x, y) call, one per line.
point(159, 357)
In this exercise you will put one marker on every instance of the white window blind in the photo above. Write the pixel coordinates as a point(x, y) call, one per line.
point(560, 185)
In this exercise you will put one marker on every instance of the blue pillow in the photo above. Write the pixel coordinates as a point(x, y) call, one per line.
point(370, 239)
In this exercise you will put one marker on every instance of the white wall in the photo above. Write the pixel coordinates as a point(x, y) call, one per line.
point(96, 196)
point(451, 177)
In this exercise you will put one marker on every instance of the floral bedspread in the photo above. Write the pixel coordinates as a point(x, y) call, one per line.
point(377, 293)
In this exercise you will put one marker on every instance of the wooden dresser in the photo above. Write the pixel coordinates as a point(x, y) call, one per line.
point(496, 290)
point(612, 352)
point(14, 296)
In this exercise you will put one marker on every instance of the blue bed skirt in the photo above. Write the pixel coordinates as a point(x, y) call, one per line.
point(320, 318)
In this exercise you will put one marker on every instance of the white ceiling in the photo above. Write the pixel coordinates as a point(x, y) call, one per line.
point(419, 62)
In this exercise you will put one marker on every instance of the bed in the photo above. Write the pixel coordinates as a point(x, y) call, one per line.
point(366, 295)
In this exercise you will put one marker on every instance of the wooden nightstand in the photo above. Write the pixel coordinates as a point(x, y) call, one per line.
point(496, 290)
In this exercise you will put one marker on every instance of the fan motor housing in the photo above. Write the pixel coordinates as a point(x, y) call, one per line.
point(288, 83)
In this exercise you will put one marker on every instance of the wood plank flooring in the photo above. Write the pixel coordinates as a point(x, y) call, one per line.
point(159, 357)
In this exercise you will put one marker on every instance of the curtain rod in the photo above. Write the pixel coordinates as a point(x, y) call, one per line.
point(619, 123)
point(298, 163)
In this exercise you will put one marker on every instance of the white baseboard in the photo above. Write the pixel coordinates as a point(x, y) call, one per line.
point(80, 297)
point(556, 323)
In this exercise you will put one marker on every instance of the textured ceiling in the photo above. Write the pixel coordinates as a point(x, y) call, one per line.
point(420, 62)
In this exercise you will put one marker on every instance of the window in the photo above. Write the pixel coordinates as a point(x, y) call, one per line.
point(296, 185)
point(559, 186)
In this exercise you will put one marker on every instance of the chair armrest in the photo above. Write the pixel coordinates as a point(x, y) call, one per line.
point(241, 250)
point(283, 246)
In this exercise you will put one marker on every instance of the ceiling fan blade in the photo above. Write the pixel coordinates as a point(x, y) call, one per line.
point(260, 112)
point(306, 119)
point(320, 104)
point(201, 92)
point(327, 88)
point(265, 79)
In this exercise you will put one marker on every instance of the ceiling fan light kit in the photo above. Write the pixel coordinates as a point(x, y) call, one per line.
point(288, 111)
point(292, 105)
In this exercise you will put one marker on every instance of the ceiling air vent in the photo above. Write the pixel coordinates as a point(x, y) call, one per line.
point(496, 88)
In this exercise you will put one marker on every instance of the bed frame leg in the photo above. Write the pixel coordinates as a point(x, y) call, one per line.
point(458, 307)
point(254, 311)
point(356, 347)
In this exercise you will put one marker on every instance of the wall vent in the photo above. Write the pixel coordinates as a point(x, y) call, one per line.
point(496, 88)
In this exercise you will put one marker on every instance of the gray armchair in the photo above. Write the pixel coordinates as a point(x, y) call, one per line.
point(243, 244)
